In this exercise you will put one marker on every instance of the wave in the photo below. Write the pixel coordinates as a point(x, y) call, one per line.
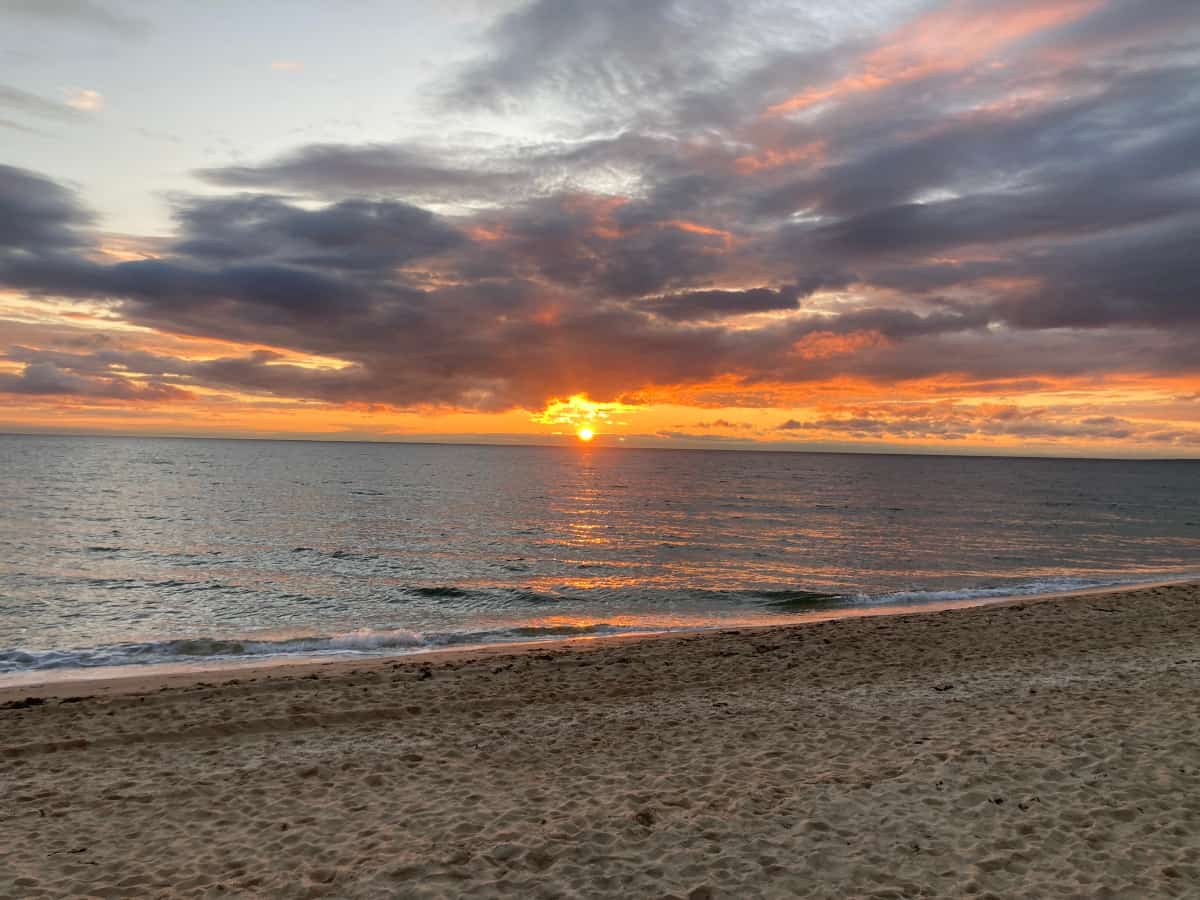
point(781, 600)
point(798, 599)
point(16, 659)
point(360, 642)
point(1030, 588)
point(395, 641)
point(438, 591)
point(489, 597)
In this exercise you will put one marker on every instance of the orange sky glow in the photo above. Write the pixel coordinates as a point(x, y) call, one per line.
point(950, 413)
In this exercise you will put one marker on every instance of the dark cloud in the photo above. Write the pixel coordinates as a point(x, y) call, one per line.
point(37, 215)
point(702, 305)
point(1160, 22)
point(465, 174)
point(351, 234)
point(1146, 277)
point(23, 102)
point(241, 263)
point(163, 291)
point(371, 170)
point(47, 380)
point(582, 242)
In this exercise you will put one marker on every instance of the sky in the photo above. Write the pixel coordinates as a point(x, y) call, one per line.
point(961, 226)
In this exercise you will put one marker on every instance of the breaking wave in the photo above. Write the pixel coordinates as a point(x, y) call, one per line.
point(361, 642)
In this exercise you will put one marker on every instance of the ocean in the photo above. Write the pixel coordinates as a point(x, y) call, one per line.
point(132, 551)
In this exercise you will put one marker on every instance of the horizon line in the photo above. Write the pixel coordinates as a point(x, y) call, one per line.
point(593, 445)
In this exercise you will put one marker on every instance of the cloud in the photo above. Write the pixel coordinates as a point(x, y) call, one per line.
point(287, 65)
point(625, 48)
point(37, 215)
point(724, 424)
point(31, 104)
point(80, 13)
point(85, 100)
point(950, 38)
point(351, 234)
point(688, 436)
point(17, 126)
point(46, 379)
point(957, 422)
point(702, 305)
point(1142, 277)
point(392, 169)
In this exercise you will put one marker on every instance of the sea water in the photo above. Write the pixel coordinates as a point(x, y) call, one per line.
point(119, 551)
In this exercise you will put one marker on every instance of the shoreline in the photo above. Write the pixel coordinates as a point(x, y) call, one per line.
point(1026, 749)
point(144, 678)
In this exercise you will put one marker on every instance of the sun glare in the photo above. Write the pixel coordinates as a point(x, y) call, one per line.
point(585, 433)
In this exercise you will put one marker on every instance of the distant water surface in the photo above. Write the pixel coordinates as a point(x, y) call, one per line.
point(121, 550)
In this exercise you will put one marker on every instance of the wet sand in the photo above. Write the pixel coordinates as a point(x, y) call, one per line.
point(1027, 750)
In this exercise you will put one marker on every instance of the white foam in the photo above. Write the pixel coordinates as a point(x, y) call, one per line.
point(1033, 588)
point(373, 639)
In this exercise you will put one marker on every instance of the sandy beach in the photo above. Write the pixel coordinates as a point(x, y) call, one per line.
point(1036, 749)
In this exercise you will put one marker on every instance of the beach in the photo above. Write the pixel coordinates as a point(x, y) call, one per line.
point(1027, 749)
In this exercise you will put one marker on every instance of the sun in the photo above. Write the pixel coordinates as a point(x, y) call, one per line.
point(585, 433)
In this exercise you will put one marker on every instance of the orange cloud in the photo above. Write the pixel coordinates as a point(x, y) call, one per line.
point(727, 238)
point(826, 345)
point(813, 152)
point(486, 232)
point(85, 100)
point(950, 39)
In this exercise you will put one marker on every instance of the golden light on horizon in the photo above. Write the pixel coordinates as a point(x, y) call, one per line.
point(583, 417)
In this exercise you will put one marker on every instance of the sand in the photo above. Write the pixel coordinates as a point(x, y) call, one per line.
point(1031, 750)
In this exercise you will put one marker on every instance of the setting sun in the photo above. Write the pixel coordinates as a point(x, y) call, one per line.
point(585, 433)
